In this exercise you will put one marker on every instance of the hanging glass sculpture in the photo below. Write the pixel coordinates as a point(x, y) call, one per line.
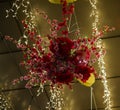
point(57, 59)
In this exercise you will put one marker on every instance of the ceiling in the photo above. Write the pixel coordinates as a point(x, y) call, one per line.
point(79, 97)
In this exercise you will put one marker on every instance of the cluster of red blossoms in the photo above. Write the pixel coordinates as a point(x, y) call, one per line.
point(68, 61)
point(59, 60)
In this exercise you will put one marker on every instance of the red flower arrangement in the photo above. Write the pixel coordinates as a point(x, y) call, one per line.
point(60, 60)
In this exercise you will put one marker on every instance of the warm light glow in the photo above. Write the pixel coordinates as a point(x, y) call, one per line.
point(16, 6)
point(101, 62)
point(4, 103)
point(95, 16)
point(29, 107)
point(29, 16)
point(56, 101)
